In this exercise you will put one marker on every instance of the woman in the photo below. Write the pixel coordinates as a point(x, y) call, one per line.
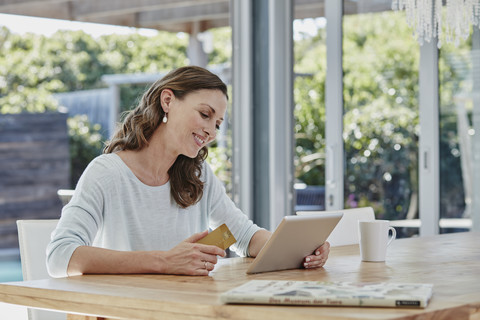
point(142, 205)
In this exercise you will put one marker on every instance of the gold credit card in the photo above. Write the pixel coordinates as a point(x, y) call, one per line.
point(220, 237)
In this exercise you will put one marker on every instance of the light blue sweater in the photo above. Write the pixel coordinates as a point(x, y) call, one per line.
point(111, 208)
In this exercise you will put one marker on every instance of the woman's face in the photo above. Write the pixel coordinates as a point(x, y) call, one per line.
point(193, 121)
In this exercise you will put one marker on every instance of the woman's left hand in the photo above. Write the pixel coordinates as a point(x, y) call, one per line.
point(318, 258)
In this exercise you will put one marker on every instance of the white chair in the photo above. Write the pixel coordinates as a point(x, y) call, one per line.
point(33, 238)
point(346, 231)
point(65, 195)
point(13, 311)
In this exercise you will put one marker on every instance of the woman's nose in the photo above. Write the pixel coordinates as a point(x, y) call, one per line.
point(211, 133)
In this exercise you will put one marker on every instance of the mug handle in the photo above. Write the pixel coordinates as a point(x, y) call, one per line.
point(394, 235)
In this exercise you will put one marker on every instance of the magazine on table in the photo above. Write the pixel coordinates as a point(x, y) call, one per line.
point(315, 293)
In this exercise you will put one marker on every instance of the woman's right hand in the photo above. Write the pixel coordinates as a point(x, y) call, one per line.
point(187, 258)
point(190, 258)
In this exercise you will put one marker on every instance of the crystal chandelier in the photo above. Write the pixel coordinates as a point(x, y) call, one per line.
point(427, 21)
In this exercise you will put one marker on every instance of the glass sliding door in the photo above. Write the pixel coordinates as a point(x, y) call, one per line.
point(309, 32)
point(381, 117)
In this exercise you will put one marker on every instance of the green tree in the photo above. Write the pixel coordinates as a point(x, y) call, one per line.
point(85, 144)
point(309, 111)
point(32, 67)
point(381, 125)
point(381, 112)
point(380, 103)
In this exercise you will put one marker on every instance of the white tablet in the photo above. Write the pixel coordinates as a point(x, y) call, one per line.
point(295, 238)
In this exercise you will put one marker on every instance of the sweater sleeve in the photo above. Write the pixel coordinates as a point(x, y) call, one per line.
point(79, 222)
point(222, 209)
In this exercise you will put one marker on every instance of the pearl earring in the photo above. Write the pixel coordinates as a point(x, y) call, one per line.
point(164, 120)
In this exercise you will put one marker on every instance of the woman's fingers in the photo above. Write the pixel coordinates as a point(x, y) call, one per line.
point(196, 236)
point(319, 258)
point(323, 249)
point(209, 249)
point(211, 258)
point(203, 268)
point(208, 266)
point(315, 262)
point(203, 247)
point(192, 258)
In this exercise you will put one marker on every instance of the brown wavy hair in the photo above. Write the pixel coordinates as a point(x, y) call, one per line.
point(140, 123)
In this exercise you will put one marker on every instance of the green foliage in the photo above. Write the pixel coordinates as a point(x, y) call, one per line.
point(309, 111)
point(130, 96)
point(85, 144)
point(381, 124)
point(74, 60)
point(309, 129)
point(380, 62)
point(381, 152)
point(136, 53)
point(381, 112)
point(220, 151)
point(32, 67)
point(380, 106)
point(27, 100)
point(222, 46)
point(219, 159)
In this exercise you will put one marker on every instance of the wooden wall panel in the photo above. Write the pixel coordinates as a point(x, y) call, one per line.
point(34, 164)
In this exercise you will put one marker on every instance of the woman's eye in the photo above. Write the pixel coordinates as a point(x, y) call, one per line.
point(217, 127)
point(204, 115)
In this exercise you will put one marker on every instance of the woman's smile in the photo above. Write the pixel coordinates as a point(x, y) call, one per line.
point(199, 139)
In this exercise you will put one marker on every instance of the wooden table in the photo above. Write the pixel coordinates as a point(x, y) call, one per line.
point(451, 262)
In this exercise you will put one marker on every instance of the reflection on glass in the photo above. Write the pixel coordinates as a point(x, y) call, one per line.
point(457, 133)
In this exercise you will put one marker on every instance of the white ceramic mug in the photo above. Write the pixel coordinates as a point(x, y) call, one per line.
point(374, 239)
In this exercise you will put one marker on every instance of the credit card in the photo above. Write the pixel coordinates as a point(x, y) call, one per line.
point(220, 237)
